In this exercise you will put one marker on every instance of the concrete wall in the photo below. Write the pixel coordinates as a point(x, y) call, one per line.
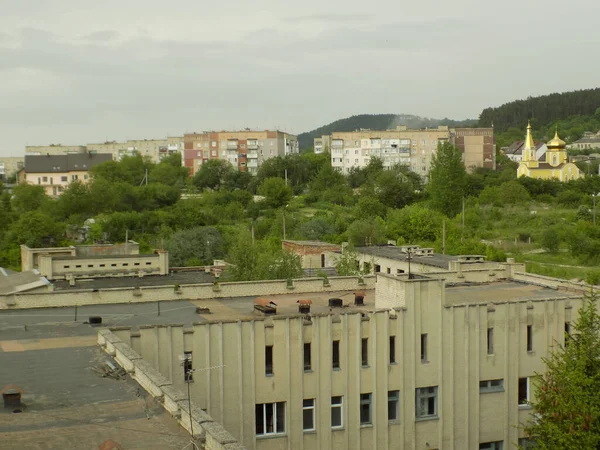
point(457, 360)
point(30, 256)
point(106, 266)
point(192, 291)
point(174, 400)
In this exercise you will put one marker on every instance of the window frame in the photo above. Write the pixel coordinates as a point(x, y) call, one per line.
point(527, 397)
point(392, 349)
point(394, 399)
point(312, 408)
point(529, 338)
point(424, 348)
point(275, 407)
point(307, 357)
point(422, 394)
point(364, 352)
point(339, 406)
point(366, 399)
point(269, 361)
point(490, 340)
point(335, 354)
point(492, 445)
point(491, 386)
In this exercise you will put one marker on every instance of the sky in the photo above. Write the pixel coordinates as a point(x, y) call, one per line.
point(77, 71)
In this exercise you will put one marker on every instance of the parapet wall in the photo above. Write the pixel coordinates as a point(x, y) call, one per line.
point(82, 297)
point(212, 434)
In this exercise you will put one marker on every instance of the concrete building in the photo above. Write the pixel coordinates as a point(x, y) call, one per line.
point(589, 141)
point(515, 150)
point(322, 144)
point(414, 148)
point(422, 365)
point(55, 172)
point(314, 254)
point(9, 166)
point(94, 261)
point(245, 150)
point(554, 164)
point(54, 149)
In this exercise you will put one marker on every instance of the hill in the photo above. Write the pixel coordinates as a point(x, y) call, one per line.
point(378, 122)
point(543, 110)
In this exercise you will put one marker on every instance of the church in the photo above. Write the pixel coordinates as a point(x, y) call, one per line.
point(553, 164)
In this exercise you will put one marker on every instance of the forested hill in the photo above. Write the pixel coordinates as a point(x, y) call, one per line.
point(378, 122)
point(544, 109)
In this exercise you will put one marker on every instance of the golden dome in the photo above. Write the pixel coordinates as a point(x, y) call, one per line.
point(556, 142)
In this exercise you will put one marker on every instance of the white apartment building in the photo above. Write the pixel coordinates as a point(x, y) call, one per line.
point(414, 148)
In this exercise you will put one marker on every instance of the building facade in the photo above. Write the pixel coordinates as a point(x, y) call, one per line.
point(245, 150)
point(55, 172)
point(9, 166)
point(589, 141)
point(414, 148)
point(554, 164)
point(426, 366)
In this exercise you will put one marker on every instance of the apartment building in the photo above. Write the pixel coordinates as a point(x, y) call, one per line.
point(245, 150)
point(10, 165)
point(419, 365)
point(155, 149)
point(55, 172)
point(414, 148)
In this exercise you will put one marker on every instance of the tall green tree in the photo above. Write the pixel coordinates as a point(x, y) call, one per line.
point(212, 174)
point(275, 191)
point(196, 246)
point(567, 395)
point(447, 180)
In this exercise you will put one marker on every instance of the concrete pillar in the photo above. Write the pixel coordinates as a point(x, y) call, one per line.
point(45, 265)
point(163, 261)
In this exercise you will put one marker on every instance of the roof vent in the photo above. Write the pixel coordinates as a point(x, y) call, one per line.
point(11, 394)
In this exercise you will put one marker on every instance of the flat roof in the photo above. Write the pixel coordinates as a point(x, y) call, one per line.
point(67, 403)
point(499, 292)
point(395, 253)
point(184, 277)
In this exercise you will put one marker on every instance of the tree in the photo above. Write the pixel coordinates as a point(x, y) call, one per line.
point(284, 265)
point(212, 174)
point(550, 240)
point(28, 197)
point(347, 264)
point(196, 246)
point(447, 180)
point(36, 229)
point(275, 191)
point(567, 395)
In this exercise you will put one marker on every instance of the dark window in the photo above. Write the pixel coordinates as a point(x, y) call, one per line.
point(490, 341)
point(389, 270)
point(392, 349)
point(188, 374)
point(523, 391)
point(487, 386)
point(90, 265)
point(308, 415)
point(66, 267)
point(426, 402)
point(377, 268)
point(335, 355)
point(496, 445)
point(529, 338)
point(307, 356)
point(365, 352)
point(393, 405)
point(148, 263)
point(269, 360)
point(270, 418)
point(337, 417)
point(125, 264)
point(424, 347)
point(567, 333)
point(78, 266)
point(113, 265)
point(365, 409)
point(136, 264)
point(102, 265)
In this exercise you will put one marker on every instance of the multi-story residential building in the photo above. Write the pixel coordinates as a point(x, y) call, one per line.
point(589, 141)
point(322, 144)
point(56, 172)
point(10, 165)
point(414, 148)
point(245, 150)
point(155, 149)
point(417, 364)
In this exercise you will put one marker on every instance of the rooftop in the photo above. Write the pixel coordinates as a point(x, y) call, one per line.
point(68, 402)
point(311, 243)
point(64, 163)
point(392, 252)
point(11, 282)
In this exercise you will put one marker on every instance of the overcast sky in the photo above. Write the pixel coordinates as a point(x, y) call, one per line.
point(77, 71)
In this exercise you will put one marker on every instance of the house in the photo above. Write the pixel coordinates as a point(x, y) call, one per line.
point(55, 172)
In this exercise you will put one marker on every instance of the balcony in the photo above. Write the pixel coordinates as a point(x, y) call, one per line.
point(252, 163)
point(252, 155)
point(252, 145)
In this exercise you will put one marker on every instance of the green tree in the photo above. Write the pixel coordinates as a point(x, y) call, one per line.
point(212, 174)
point(36, 229)
point(28, 197)
point(567, 395)
point(347, 264)
point(447, 180)
point(550, 240)
point(284, 265)
point(276, 192)
point(199, 245)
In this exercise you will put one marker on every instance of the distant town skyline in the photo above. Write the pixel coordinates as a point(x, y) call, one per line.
point(76, 73)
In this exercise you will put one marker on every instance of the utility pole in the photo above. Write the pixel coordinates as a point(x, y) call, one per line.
point(594, 209)
point(443, 236)
point(463, 212)
point(283, 216)
point(286, 181)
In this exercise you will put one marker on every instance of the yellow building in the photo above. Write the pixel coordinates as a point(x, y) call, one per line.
point(554, 164)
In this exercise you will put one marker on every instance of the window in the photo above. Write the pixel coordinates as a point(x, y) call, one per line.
point(308, 414)
point(496, 445)
point(78, 266)
point(90, 265)
point(63, 179)
point(270, 418)
point(523, 391)
point(567, 333)
point(188, 371)
point(113, 265)
point(377, 268)
point(490, 341)
point(529, 338)
point(66, 267)
point(365, 352)
point(365, 409)
point(213, 143)
point(337, 417)
point(85, 177)
point(136, 264)
point(102, 265)
point(74, 177)
point(393, 405)
point(487, 386)
point(44, 179)
point(125, 264)
point(426, 402)
point(424, 347)
point(389, 270)
point(526, 443)
point(335, 355)
point(307, 357)
point(269, 360)
point(392, 349)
